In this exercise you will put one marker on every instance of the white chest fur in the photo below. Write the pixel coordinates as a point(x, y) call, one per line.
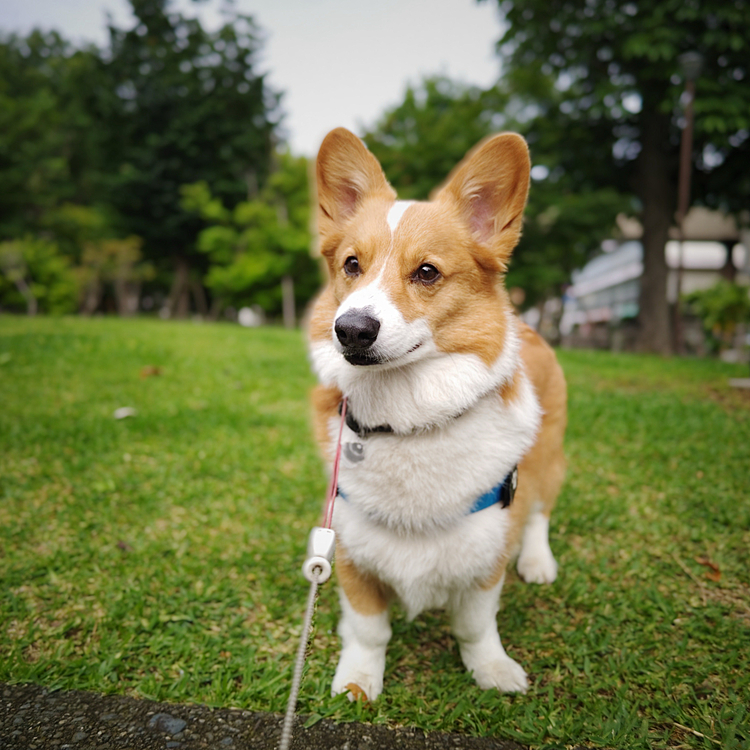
point(407, 498)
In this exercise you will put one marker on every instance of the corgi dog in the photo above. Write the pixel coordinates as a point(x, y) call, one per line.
point(452, 450)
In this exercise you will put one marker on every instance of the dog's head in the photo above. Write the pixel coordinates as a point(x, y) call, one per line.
point(409, 280)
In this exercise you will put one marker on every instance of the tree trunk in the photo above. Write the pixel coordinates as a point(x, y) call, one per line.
point(287, 297)
point(127, 296)
point(31, 304)
point(657, 194)
point(216, 307)
point(555, 337)
point(729, 270)
point(179, 294)
point(199, 297)
point(92, 298)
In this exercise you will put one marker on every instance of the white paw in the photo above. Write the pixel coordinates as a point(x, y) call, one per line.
point(358, 684)
point(360, 673)
point(504, 674)
point(538, 566)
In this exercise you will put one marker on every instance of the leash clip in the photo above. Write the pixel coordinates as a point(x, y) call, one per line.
point(321, 545)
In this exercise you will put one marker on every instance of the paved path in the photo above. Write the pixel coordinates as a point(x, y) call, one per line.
point(34, 718)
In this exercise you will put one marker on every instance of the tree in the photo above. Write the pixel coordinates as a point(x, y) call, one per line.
point(36, 277)
point(420, 140)
point(611, 107)
point(114, 264)
point(722, 309)
point(95, 145)
point(182, 105)
point(47, 137)
point(259, 251)
point(562, 231)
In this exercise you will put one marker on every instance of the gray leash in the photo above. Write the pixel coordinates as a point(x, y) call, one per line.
point(286, 732)
point(317, 570)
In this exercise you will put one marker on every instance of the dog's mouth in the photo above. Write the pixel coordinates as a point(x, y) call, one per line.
point(361, 358)
point(366, 357)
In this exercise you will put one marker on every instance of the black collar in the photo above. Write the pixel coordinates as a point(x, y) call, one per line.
point(362, 432)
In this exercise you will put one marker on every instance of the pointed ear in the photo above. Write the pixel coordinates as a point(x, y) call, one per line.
point(489, 189)
point(347, 173)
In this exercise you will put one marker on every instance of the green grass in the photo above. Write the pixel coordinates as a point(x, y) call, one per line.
point(159, 555)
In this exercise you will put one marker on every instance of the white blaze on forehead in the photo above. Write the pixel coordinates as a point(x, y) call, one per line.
point(398, 209)
point(396, 336)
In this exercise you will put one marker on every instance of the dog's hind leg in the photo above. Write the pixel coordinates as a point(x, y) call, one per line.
point(542, 470)
point(364, 629)
point(536, 563)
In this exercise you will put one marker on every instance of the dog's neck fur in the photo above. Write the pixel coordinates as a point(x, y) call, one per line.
point(424, 394)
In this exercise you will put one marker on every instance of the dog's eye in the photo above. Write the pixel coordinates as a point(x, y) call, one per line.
point(351, 266)
point(426, 274)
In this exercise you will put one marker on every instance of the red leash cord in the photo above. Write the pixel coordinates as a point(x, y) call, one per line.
point(322, 541)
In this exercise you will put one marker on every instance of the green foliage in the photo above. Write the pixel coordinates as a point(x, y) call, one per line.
point(95, 144)
point(74, 226)
point(160, 555)
point(419, 141)
point(562, 230)
point(181, 105)
point(721, 308)
point(36, 277)
point(46, 135)
point(115, 264)
point(252, 247)
point(422, 139)
point(614, 66)
point(603, 87)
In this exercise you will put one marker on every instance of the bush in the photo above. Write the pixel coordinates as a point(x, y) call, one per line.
point(721, 308)
point(36, 277)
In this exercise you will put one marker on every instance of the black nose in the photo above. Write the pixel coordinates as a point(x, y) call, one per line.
point(356, 329)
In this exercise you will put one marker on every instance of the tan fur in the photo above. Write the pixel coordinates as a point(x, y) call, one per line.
point(489, 188)
point(466, 313)
point(365, 592)
point(543, 467)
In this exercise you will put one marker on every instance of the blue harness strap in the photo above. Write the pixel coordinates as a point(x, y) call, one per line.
point(502, 493)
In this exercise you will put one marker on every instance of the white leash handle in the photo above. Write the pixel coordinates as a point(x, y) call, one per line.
point(321, 545)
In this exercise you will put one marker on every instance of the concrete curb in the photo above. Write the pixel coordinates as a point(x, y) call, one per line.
point(35, 718)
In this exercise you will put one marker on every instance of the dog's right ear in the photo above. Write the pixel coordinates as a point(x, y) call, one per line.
point(347, 173)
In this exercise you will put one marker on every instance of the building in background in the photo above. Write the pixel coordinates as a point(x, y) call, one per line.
point(601, 305)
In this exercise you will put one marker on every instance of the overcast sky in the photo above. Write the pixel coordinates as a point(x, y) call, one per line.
point(338, 62)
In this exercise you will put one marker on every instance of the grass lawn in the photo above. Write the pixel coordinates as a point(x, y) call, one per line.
point(159, 555)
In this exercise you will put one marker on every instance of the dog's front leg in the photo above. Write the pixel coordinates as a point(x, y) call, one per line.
point(474, 624)
point(364, 629)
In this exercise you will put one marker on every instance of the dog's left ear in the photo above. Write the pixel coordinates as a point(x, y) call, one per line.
point(489, 188)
